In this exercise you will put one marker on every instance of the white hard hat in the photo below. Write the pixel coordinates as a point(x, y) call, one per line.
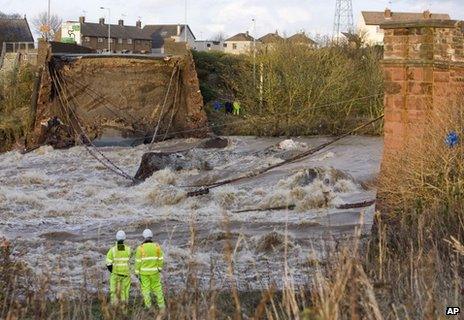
point(120, 235)
point(147, 234)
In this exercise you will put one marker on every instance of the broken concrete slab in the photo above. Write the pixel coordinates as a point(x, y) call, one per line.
point(155, 161)
point(124, 94)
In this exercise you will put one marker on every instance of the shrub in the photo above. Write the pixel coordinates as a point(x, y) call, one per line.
point(15, 105)
point(297, 90)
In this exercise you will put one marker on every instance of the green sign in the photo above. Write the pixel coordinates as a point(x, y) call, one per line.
point(68, 40)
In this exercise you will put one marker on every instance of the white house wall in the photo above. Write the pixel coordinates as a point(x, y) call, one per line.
point(372, 34)
point(242, 47)
point(190, 38)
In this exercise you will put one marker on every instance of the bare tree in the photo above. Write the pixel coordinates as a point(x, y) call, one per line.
point(40, 25)
point(220, 36)
point(10, 15)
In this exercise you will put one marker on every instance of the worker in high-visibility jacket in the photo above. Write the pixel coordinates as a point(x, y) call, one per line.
point(117, 262)
point(237, 107)
point(149, 262)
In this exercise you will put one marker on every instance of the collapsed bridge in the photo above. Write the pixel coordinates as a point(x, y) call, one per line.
point(116, 97)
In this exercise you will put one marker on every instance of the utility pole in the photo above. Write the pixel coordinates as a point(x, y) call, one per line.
point(48, 22)
point(254, 52)
point(343, 21)
point(109, 27)
point(185, 27)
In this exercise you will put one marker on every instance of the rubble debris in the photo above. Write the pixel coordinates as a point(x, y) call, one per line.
point(155, 161)
point(214, 143)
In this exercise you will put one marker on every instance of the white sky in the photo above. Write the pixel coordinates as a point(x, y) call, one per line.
point(208, 17)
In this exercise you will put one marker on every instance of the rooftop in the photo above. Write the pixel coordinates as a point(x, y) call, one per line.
point(15, 30)
point(243, 36)
point(90, 29)
point(271, 38)
point(301, 38)
point(377, 18)
point(159, 32)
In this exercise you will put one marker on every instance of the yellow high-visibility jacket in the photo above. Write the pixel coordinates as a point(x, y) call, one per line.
point(119, 259)
point(149, 259)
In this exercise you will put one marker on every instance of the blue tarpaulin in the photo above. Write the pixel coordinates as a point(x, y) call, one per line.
point(452, 139)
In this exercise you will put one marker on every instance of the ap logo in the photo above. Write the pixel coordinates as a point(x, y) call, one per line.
point(452, 311)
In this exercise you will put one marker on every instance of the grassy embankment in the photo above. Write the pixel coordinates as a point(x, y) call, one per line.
point(296, 91)
point(15, 105)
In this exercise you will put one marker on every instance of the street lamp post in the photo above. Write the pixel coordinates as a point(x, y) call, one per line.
point(48, 22)
point(109, 27)
point(185, 27)
point(254, 52)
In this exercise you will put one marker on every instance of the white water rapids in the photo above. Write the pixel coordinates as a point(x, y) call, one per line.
point(61, 209)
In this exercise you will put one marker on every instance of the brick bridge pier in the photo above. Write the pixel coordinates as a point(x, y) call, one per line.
point(424, 79)
point(424, 71)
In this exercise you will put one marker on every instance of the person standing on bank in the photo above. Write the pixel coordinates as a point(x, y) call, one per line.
point(149, 261)
point(117, 262)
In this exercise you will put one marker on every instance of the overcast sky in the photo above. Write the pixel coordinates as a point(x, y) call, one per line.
point(208, 17)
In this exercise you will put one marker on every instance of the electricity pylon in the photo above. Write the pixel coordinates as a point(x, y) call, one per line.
point(343, 21)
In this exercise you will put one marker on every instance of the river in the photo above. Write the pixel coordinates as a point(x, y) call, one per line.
point(61, 210)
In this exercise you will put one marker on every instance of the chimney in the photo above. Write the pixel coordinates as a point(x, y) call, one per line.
point(120, 22)
point(427, 14)
point(178, 30)
point(388, 13)
point(82, 19)
point(102, 20)
point(138, 24)
point(247, 33)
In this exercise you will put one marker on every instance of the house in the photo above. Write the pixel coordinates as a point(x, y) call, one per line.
point(241, 43)
point(95, 36)
point(369, 22)
point(270, 38)
point(160, 33)
point(208, 45)
point(269, 41)
point(302, 39)
point(15, 33)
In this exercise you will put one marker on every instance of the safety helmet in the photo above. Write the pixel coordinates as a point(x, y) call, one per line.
point(120, 235)
point(147, 234)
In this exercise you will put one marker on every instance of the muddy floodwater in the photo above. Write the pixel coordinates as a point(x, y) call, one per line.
point(61, 209)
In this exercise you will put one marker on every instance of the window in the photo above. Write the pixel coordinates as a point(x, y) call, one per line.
point(209, 45)
point(111, 40)
point(234, 46)
point(100, 40)
point(129, 41)
point(120, 40)
point(87, 39)
point(225, 45)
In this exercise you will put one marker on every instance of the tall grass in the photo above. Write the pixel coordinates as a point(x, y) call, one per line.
point(15, 105)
